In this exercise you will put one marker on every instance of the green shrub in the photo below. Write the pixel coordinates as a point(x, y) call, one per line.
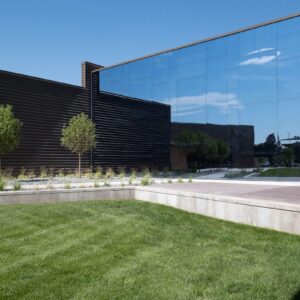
point(10, 130)
point(2, 184)
point(61, 173)
point(133, 174)
point(145, 180)
point(109, 173)
point(8, 172)
point(67, 186)
point(96, 184)
point(51, 172)
point(122, 172)
point(30, 174)
point(43, 172)
point(146, 171)
point(190, 179)
point(17, 186)
point(99, 173)
point(170, 180)
point(179, 180)
point(22, 174)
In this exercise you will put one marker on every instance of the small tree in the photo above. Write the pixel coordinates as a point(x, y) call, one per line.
point(10, 131)
point(288, 154)
point(79, 136)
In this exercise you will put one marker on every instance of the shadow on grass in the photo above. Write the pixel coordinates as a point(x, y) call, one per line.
point(296, 296)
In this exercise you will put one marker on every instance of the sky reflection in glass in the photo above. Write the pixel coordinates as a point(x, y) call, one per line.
point(250, 78)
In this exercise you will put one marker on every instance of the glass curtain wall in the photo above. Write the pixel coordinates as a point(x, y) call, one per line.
point(249, 78)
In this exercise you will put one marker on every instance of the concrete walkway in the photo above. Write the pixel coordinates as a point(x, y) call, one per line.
point(270, 192)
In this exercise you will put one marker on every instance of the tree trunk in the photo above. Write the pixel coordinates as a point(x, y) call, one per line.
point(0, 167)
point(79, 165)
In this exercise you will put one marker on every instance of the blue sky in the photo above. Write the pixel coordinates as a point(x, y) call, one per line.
point(50, 38)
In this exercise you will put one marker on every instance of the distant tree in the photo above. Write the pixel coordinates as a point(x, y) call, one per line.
point(270, 143)
point(270, 146)
point(211, 147)
point(187, 141)
point(201, 147)
point(288, 154)
point(79, 136)
point(279, 160)
point(223, 151)
point(271, 139)
point(10, 130)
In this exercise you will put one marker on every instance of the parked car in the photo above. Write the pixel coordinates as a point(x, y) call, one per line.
point(266, 164)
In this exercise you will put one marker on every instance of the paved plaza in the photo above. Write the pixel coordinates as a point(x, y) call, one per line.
point(278, 192)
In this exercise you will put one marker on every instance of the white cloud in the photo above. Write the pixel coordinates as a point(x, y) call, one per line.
point(258, 60)
point(260, 50)
point(189, 105)
point(187, 113)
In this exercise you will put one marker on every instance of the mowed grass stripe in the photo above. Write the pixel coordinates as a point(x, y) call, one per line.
point(135, 250)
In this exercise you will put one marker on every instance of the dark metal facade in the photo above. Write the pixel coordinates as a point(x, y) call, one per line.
point(130, 132)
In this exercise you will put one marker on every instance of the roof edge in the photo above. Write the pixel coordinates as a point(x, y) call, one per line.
point(204, 40)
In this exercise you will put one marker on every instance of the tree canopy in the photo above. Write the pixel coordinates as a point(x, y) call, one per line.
point(10, 130)
point(79, 136)
point(201, 147)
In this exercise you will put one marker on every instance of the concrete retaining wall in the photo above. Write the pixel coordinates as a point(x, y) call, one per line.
point(256, 212)
point(67, 195)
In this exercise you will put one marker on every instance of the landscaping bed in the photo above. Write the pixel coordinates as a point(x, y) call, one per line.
point(281, 172)
point(135, 250)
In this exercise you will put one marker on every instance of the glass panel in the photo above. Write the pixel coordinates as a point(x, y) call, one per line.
point(190, 100)
point(216, 48)
point(289, 78)
point(250, 78)
point(160, 69)
point(190, 61)
point(140, 88)
point(233, 103)
point(263, 116)
point(258, 66)
point(289, 116)
point(288, 38)
point(233, 51)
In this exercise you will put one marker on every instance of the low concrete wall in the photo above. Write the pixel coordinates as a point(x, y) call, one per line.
point(23, 197)
point(256, 212)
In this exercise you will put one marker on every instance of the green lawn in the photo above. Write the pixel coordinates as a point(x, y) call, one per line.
point(282, 172)
point(135, 250)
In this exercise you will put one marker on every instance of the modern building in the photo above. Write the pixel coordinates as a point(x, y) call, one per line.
point(130, 132)
point(242, 87)
point(250, 77)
